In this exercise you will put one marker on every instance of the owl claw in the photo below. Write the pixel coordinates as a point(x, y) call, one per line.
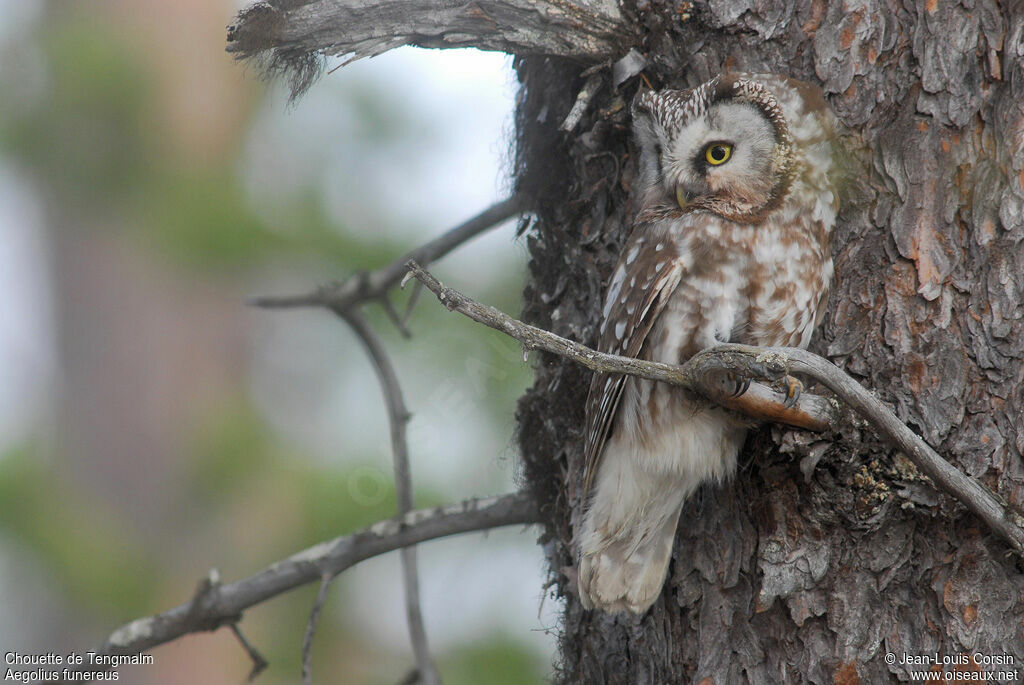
point(737, 384)
point(793, 390)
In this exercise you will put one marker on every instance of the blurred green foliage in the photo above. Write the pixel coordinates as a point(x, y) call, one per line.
point(496, 662)
point(236, 457)
point(85, 545)
point(86, 136)
point(89, 139)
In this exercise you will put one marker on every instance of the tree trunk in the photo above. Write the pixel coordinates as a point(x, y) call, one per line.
point(824, 553)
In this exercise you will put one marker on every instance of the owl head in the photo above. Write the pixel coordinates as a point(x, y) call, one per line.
point(722, 147)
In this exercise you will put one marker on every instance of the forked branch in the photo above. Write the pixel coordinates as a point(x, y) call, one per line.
point(218, 605)
point(366, 287)
point(345, 300)
point(770, 364)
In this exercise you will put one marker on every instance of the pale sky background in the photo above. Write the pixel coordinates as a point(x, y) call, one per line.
point(468, 588)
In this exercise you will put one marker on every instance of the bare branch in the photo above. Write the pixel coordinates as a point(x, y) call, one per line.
point(414, 297)
point(414, 618)
point(770, 363)
point(225, 603)
point(345, 300)
point(258, 662)
point(311, 624)
point(396, 318)
point(288, 36)
point(365, 287)
point(398, 419)
point(586, 94)
point(759, 401)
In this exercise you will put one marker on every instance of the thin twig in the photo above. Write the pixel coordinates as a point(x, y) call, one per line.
point(389, 309)
point(206, 593)
point(398, 419)
point(327, 558)
point(414, 297)
point(258, 662)
point(364, 287)
point(314, 619)
point(345, 300)
point(771, 364)
point(586, 94)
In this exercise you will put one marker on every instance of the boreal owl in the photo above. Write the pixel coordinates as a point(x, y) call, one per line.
point(731, 243)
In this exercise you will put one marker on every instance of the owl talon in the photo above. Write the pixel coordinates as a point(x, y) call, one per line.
point(793, 390)
point(737, 384)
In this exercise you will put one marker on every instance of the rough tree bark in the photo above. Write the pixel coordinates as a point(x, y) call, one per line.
point(824, 553)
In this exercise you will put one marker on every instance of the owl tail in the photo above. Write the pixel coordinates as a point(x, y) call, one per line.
point(626, 538)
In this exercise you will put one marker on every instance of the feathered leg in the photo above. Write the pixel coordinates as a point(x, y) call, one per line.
point(629, 527)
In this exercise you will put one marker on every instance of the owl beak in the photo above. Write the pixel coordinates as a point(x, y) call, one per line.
point(682, 197)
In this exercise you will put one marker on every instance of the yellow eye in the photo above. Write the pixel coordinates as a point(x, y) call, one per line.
point(718, 153)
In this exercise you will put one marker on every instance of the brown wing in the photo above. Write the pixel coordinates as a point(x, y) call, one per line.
point(646, 276)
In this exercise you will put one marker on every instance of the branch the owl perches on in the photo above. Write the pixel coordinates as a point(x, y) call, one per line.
point(768, 364)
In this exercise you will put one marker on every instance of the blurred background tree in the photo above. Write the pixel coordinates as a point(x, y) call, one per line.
point(152, 427)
